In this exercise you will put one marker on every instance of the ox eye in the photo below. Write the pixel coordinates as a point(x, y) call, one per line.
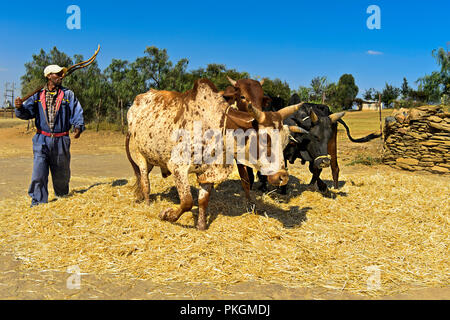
point(242, 97)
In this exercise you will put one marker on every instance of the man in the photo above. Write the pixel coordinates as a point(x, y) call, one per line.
point(56, 110)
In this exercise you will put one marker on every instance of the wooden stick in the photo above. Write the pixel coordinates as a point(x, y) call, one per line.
point(121, 114)
point(381, 121)
point(98, 113)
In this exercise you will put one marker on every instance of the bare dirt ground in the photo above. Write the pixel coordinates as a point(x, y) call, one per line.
point(101, 155)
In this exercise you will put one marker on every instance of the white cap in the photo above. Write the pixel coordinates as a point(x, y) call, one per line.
point(53, 68)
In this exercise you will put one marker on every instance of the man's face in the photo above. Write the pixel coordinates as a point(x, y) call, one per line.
point(56, 78)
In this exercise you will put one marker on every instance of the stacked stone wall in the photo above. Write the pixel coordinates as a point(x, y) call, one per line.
point(418, 139)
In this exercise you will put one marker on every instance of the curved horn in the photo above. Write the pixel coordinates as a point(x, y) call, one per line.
point(82, 64)
point(287, 111)
point(233, 82)
point(262, 81)
point(336, 116)
point(258, 114)
point(314, 118)
point(297, 129)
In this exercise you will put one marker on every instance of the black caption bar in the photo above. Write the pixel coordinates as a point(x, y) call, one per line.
point(226, 309)
point(219, 309)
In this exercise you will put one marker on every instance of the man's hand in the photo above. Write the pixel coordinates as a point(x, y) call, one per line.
point(18, 103)
point(77, 133)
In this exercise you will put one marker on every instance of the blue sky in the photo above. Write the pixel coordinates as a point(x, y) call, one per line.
point(291, 40)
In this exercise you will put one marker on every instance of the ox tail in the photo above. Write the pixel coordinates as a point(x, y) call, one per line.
point(137, 172)
point(360, 140)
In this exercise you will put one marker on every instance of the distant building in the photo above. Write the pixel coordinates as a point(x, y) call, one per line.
point(372, 105)
point(367, 105)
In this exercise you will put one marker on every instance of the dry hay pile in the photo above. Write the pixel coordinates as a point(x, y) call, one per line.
point(418, 139)
point(301, 240)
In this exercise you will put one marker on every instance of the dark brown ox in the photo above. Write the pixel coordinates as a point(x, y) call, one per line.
point(244, 93)
point(156, 115)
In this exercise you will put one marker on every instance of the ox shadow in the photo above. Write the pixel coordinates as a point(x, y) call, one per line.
point(84, 190)
point(79, 191)
point(335, 192)
point(228, 197)
point(119, 183)
point(296, 188)
point(231, 192)
point(115, 183)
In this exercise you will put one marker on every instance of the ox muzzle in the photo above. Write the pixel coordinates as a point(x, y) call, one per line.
point(278, 179)
point(322, 161)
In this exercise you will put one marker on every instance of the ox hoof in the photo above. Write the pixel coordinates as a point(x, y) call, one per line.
point(323, 188)
point(168, 215)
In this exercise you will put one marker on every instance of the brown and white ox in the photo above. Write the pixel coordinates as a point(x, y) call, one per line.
point(156, 115)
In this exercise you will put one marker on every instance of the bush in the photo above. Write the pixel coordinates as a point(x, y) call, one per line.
point(407, 104)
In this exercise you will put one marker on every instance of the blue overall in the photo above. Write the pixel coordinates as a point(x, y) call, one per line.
point(51, 153)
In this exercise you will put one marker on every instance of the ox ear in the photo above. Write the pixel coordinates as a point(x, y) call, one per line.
point(266, 102)
point(262, 81)
point(233, 82)
point(230, 92)
point(336, 116)
point(314, 118)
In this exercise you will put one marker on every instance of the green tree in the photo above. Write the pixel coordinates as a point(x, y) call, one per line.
point(331, 97)
point(177, 78)
point(346, 91)
point(34, 70)
point(277, 88)
point(437, 84)
point(318, 87)
point(90, 85)
point(405, 89)
point(217, 73)
point(418, 95)
point(125, 80)
point(370, 94)
point(123, 89)
point(116, 73)
point(304, 93)
point(443, 60)
point(389, 94)
point(155, 70)
point(431, 86)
